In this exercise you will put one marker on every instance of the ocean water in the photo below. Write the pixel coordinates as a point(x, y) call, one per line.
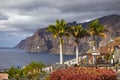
point(15, 57)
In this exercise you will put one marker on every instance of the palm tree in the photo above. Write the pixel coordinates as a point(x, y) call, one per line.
point(77, 32)
point(96, 30)
point(59, 30)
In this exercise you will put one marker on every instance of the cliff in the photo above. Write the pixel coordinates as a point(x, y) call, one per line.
point(43, 41)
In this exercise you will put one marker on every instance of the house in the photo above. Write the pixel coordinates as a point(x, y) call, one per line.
point(3, 76)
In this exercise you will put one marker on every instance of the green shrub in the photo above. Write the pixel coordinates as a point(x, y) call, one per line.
point(31, 72)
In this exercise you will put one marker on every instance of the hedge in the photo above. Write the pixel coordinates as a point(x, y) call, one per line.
point(83, 73)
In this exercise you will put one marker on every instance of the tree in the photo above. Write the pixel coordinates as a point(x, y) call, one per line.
point(15, 73)
point(33, 70)
point(96, 30)
point(77, 32)
point(59, 30)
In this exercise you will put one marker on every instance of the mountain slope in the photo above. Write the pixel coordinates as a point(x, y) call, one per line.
point(43, 41)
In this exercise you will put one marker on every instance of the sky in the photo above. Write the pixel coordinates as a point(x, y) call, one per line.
point(21, 18)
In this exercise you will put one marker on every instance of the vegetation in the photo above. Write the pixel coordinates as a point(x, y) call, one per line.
point(31, 72)
point(82, 73)
point(34, 70)
point(59, 30)
point(77, 32)
point(15, 73)
point(96, 30)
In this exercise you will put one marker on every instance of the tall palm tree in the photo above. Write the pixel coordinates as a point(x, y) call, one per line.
point(59, 30)
point(96, 30)
point(77, 32)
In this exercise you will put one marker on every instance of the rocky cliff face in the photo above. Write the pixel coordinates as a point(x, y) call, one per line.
point(43, 41)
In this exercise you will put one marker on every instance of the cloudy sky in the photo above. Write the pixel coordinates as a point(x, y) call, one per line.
point(21, 18)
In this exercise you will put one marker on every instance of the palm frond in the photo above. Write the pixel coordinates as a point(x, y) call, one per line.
point(103, 35)
point(63, 22)
point(95, 28)
point(91, 32)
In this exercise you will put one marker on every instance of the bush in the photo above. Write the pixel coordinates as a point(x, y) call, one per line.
point(82, 73)
point(33, 71)
point(15, 73)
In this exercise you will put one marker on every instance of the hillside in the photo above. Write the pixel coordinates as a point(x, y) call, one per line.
point(43, 41)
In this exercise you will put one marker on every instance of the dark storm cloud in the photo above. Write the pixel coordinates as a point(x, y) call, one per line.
point(26, 4)
point(90, 5)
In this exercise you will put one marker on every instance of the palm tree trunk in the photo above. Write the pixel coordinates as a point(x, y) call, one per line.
point(94, 43)
point(77, 54)
point(94, 57)
point(61, 50)
point(94, 49)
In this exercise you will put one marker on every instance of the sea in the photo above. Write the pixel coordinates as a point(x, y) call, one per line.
point(16, 57)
